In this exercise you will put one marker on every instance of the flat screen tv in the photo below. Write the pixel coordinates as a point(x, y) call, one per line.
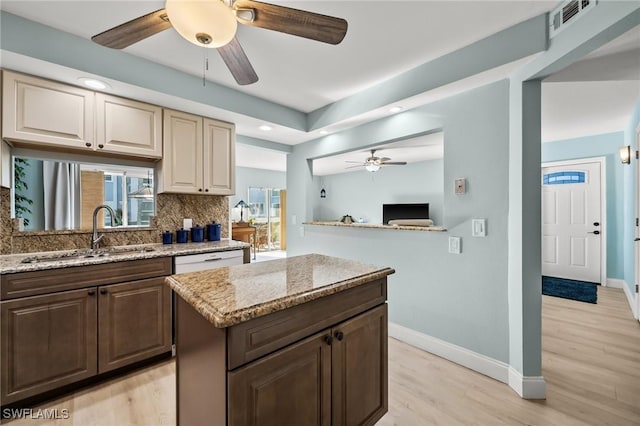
point(404, 211)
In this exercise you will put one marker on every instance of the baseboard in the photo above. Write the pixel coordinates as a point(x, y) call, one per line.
point(526, 387)
point(631, 297)
point(529, 387)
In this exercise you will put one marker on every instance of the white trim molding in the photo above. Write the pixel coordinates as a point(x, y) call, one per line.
point(631, 297)
point(526, 387)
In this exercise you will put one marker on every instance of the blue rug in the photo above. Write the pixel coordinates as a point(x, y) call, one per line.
point(570, 289)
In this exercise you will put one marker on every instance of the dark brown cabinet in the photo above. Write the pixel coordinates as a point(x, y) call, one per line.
point(53, 340)
point(323, 362)
point(134, 322)
point(47, 342)
point(338, 376)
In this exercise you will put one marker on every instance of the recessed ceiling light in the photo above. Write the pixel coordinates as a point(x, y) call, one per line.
point(93, 83)
point(265, 128)
point(324, 132)
point(395, 109)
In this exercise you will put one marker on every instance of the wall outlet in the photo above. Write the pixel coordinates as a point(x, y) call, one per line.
point(460, 186)
point(455, 245)
point(479, 227)
point(187, 223)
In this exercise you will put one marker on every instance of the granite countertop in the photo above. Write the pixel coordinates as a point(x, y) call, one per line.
point(234, 294)
point(13, 263)
point(379, 226)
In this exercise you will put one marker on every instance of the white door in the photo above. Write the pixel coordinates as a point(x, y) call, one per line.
point(637, 233)
point(572, 228)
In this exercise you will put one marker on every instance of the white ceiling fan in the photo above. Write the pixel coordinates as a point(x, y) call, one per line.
point(373, 163)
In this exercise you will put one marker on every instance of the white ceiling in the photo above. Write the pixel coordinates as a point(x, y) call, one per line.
point(385, 39)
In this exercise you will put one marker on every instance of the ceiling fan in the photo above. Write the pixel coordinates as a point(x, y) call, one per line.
point(373, 163)
point(213, 24)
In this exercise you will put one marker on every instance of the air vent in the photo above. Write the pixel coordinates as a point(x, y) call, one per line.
point(567, 13)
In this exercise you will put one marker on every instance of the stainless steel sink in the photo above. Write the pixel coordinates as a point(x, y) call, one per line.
point(84, 254)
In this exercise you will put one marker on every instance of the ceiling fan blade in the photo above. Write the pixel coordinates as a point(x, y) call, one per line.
point(233, 55)
point(353, 167)
point(349, 161)
point(301, 23)
point(133, 31)
point(394, 163)
point(383, 159)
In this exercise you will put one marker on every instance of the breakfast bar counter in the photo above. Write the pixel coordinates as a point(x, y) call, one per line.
point(301, 340)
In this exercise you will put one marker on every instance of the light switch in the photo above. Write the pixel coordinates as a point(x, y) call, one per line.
point(455, 245)
point(479, 227)
point(302, 231)
point(294, 219)
point(460, 186)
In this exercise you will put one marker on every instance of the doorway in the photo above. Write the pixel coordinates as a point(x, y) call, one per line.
point(573, 220)
point(266, 206)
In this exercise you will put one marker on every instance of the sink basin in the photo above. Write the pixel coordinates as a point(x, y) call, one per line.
point(84, 254)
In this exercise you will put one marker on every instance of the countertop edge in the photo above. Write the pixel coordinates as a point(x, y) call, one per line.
point(242, 315)
point(379, 226)
point(11, 264)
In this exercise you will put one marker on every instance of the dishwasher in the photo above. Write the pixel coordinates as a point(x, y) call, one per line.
point(204, 261)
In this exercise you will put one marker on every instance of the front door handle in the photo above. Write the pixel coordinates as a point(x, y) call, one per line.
point(637, 239)
point(594, 232)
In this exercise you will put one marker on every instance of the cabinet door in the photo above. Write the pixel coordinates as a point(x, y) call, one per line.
point(219, 157)
point(134, 322)
point(47, 341)
point(41, 111)
point(359, 380)
point(291, 386)
point(181, 167)
point(128, 127)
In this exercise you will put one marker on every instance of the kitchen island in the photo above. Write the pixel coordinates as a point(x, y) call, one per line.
point(297, 341)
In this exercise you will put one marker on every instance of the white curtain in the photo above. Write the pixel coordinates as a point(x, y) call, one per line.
point(61, 195)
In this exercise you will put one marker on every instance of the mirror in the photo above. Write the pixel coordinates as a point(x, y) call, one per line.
point(58, 195)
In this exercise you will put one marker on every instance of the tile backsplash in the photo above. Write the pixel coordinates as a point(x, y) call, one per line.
point(170, 210)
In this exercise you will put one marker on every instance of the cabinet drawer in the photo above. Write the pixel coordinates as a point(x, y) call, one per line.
point(48, 281)
point(252, 339)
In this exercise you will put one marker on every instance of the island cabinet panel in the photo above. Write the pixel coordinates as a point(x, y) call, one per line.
point(47, 342)
point(359, 359)
point(292, 386)
point(134, 322)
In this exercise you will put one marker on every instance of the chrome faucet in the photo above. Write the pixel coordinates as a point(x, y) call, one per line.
point(95, 238)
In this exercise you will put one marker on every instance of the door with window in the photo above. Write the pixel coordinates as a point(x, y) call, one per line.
point(265, 209)
point(572, 220)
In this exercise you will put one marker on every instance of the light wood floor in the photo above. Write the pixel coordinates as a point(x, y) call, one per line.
point(591, 362)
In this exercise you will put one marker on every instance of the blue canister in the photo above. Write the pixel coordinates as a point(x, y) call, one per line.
point(197, 234)
point(181, 235)
point(167, 237)
point(213, 231)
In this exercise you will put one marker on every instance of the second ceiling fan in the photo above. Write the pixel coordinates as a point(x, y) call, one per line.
point(213, 24)
point(373, 163)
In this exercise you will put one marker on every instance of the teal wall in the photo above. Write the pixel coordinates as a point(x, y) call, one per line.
point(606, 145)
point(361, 194)
point(458, 298)
point(629, 215)
point(261, 178)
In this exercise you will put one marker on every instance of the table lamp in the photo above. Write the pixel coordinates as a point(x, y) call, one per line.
point(242, 205)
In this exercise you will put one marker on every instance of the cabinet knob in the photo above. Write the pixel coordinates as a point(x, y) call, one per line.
point(91, 292)
point(88, 144)
point(328, 339)
point(100, 146)
point(206, 190)
point(199, 189)
point(339, 335)
point(103, 291)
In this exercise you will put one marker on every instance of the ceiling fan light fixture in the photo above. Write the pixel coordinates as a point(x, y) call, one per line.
point(204, 23)
point(372, 167)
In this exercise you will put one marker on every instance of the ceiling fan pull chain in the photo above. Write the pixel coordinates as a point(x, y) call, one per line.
point(205, 66)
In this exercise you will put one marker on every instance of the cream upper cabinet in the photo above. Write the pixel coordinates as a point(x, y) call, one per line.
point(128, 127)
point(181, 167)
point(219, 157)
point(198, 155)
point(44, 112)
